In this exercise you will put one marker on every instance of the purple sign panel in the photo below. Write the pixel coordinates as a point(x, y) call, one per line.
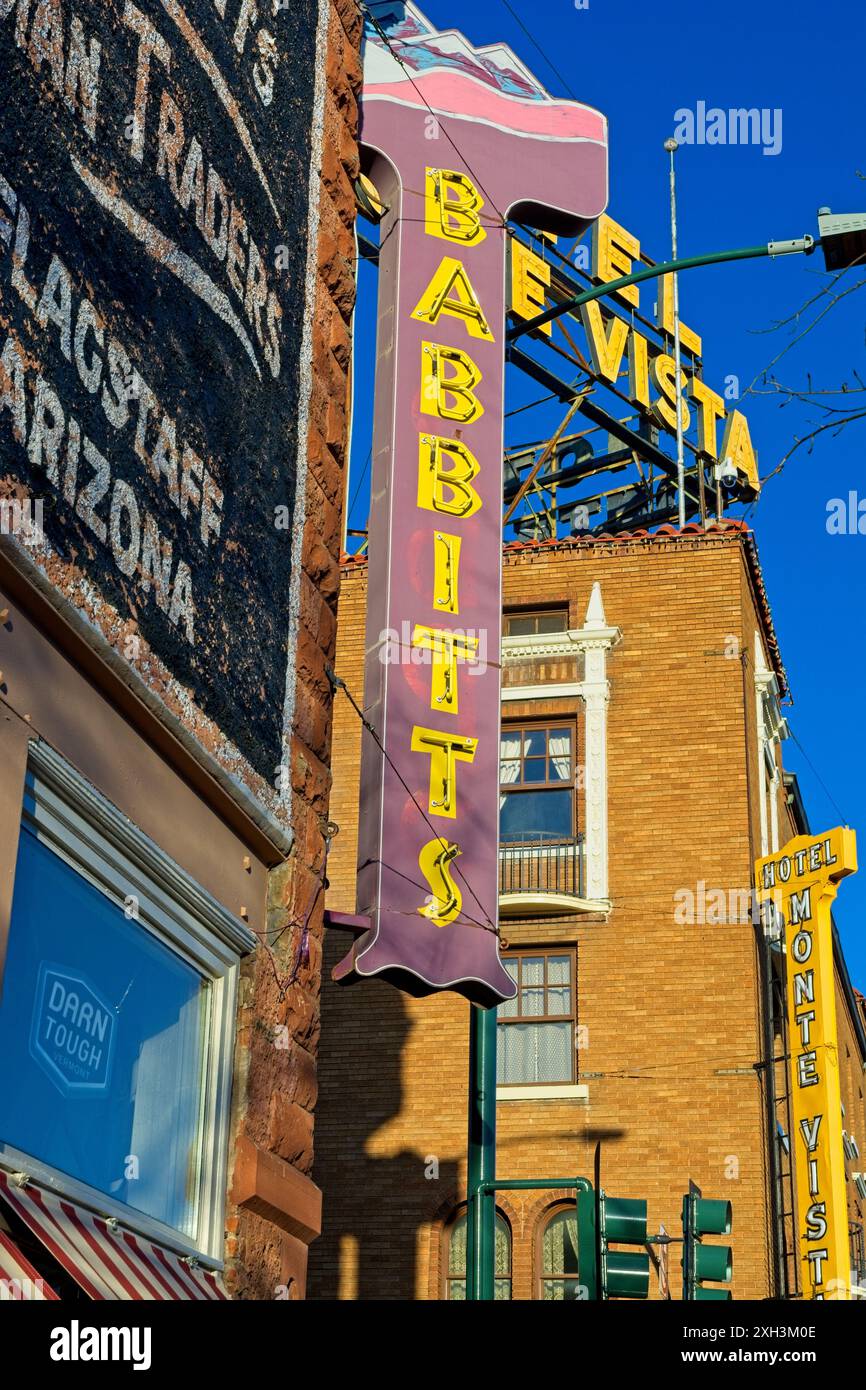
point(457, 141)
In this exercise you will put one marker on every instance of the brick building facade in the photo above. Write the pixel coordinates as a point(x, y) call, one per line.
point(176, 294)
point(667, 639)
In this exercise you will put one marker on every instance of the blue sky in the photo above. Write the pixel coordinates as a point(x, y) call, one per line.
point(639, 64)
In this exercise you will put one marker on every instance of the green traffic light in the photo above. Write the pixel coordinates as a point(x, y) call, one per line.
point(625, 1275)
point(713, 1262)
point(703, 1216)
point(623, 1219)
point(711, 1217)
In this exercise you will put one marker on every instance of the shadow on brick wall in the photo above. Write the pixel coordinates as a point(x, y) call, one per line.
point(364, 1251)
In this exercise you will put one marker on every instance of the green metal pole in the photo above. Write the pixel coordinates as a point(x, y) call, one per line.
point(651, 272)
point(481, 1156)
point(535, 1184)
point(473, 1159)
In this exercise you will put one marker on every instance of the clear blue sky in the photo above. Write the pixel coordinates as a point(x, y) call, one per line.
point(639, 64)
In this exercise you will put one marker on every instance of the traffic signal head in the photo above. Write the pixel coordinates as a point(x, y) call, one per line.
point(703, 1216)
point(711, 1217)
point(624, 1273)
point(623, 1219)
point(713, 1262)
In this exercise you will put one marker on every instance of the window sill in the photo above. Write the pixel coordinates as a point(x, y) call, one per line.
point(561, 1092)
point(548, 904)
point(61, 1184)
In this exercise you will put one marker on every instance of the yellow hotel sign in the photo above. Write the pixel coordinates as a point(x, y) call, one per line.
point(800, 882)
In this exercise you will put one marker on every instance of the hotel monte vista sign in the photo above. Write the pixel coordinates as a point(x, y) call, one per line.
point(798, 884)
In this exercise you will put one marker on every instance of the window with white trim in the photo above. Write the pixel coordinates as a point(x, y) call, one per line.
point(117, 1017)
point(536, 783)
point(536, 1029)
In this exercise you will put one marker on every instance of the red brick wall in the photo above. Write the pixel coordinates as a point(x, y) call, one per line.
point(279, 1021)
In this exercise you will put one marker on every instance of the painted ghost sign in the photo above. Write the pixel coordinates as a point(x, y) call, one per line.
point(456, 141)
point(154, 166)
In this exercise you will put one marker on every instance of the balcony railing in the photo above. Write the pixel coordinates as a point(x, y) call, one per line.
point(536, 862)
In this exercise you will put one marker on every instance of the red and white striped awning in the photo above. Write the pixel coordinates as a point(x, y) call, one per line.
point(18, 1279)
point(107, 1261)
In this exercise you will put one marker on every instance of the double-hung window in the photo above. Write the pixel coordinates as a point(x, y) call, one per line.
point(116, 1017)
point(536, 1029)
point(536, 784)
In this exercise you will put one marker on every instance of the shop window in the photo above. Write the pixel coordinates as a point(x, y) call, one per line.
point(560, 1281)
point(116, 1017)
point(536, 1029)
point(455, 1280)
point(536, 776)
point(526, 624)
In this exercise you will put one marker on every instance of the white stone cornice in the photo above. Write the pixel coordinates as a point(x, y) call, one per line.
point(598, 640)
point(534, 645)
point(594, 636)
point(550, 690)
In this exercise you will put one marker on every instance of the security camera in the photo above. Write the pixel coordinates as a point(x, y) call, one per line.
point(726, 473)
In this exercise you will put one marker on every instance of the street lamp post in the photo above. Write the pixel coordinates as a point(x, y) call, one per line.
point(805, 245)
point(842, 239)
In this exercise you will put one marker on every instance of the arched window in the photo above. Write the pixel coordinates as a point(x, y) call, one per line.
point(455, 1250)
point(560, 1282)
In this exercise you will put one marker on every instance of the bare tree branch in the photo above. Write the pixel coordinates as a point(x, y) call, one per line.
point(795, 317)
point(836, 426)
point(812, 395)
point(798, 337)
point(826, 400)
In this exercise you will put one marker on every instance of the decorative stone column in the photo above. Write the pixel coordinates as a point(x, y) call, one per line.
point(772, 728)
point(595, 640)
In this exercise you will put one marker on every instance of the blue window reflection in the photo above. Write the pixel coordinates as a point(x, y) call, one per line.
point(542, 815)
point(102, 1032)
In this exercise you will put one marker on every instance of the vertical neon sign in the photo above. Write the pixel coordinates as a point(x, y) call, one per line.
point(800, 883)
point(456, 140)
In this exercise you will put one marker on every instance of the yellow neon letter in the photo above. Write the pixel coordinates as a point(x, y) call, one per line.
point(665, 320)
point(436, 387)
point(737, 446)
point(710, 409)
point(664, 409)
point(434, 480)
point(434, 861)
point(613, 250)
point(606, 345)
point(530, 275)
point(446, 571)
point(451, 207)
point(448, 648)
point(450, 292)
point(445, 751)
point(638, 369)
